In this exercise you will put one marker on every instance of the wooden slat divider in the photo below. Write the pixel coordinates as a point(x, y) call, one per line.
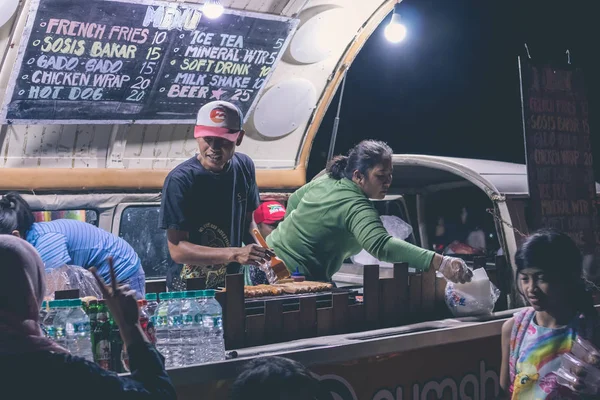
point(387, 301)
point(274, 321)
point(255, 330)
point(415, 285)
point(291, 325)
point(308, 316)
point(428, 294)
point(325, 321)
point(339, 302)
point(234, 316)
point(356, 318)
point(402, 282)
point(371, 295)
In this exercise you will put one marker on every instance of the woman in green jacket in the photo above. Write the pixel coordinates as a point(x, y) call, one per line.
point(331, 219)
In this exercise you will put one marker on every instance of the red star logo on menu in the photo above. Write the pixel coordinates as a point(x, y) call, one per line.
point(216, 94)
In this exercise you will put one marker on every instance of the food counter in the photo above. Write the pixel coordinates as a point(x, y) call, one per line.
point(390, 339)
point(445, 359)
point(277, 317)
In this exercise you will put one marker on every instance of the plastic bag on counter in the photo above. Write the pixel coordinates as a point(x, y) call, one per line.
point(395, 227)
point(70, 277)
point(474, 298)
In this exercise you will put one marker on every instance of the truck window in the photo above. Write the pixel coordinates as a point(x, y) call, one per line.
point(397, 209)
point(89, 216)
point(458, 223)
point(139, 227)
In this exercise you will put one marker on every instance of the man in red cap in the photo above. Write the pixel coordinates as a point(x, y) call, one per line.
point(267, 216)
point(208, 200)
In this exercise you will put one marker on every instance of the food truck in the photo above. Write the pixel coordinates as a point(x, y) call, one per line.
point(98, 105)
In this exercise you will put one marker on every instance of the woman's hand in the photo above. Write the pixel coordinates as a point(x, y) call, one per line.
point(122, 305)
point(455, 270)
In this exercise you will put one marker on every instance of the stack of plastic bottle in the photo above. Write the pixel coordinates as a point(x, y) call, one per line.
point(201, 352)
point(190, 329)
point(78, 331)
point(161, 325)
point(186, 327)
point(68, 325)
point(175, 324)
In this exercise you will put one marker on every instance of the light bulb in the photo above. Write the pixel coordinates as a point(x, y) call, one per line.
point(213, 9)
point(395, 32)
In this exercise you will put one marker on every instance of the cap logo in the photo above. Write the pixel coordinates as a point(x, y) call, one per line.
point(273, 208)
point(217, 115)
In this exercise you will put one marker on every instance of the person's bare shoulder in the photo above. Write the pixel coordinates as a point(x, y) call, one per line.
point(507, 327)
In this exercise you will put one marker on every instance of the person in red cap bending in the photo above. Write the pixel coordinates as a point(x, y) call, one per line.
point(267, 216)
point(208, 200)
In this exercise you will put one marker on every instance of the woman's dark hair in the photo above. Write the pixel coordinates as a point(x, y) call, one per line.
point(275, 378)
point(558, 256)
point(15, 214)
point(362, 157)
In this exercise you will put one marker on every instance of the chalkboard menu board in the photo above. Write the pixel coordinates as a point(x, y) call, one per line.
point(145, 62)
point(559, 153)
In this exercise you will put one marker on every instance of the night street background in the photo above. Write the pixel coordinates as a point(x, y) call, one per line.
point(452, 87)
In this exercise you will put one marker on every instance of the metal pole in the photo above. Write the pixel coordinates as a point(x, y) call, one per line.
point(336, 121)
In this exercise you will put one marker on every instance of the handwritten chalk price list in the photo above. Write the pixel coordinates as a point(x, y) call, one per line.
point(559, 153)
point(153, 62)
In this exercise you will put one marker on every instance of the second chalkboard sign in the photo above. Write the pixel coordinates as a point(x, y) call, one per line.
point(148, 62)
point(558, 149)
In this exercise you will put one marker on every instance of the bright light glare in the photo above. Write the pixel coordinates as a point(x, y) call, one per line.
point(213, 9)
point(395, 32)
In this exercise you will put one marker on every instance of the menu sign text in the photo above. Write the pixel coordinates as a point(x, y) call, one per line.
point(124, 61)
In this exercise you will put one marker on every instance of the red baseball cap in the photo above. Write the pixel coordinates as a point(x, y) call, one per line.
point(269, 212)
point(219, 119)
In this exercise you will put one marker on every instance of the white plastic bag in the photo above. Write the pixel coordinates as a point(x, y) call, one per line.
point(474, 298)
point(70, 277)
point(395, 227)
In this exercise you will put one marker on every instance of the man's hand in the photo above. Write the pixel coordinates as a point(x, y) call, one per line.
point(251, 254)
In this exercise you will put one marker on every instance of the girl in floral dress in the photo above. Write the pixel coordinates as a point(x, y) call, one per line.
point(549, 277)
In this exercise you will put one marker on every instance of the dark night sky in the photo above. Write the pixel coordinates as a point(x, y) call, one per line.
point(452, 87)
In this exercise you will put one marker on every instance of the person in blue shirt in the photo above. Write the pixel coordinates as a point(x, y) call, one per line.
point(70, 242)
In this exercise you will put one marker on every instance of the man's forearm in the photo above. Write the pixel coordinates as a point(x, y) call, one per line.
point(251, 228)
point(188, 253)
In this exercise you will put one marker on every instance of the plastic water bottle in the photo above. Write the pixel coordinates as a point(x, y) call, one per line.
point(48, 321)
point(212, 316)
point(152, 304)
point(59, 323)
point(190, 328)
point(201, 351)
point(42, 317)
point(175, 322)
point(161, 326)
point(145, 322)
point(43, 311)
point(78, 331)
